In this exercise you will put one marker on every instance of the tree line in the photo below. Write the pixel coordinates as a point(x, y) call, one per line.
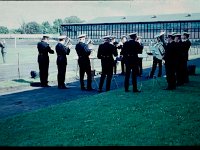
point(44, 28)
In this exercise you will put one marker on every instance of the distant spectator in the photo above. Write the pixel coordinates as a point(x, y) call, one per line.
point(3, 47)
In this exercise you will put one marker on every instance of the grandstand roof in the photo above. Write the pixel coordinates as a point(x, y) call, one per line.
point(148, 18)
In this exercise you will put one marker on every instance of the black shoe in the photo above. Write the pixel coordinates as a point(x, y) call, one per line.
point(169, 88)
point(90, 89)
point(127, 90)
point(100, 90)
point(83, 88)
point(179, 84)
point(159, 75)
point(46, 85)
point(136, 91)
point(64, 87)
point(149, 77)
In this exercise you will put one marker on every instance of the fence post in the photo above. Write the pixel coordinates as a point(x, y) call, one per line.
point(15, 42)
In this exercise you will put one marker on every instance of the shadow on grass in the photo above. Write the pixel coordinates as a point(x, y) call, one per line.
point(21, 81)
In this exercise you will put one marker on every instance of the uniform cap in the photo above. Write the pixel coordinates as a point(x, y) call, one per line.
point(131, 34)
point(82, 35)
point(159, 35)
point(177, 34)
point(45, 36)
point(112, 37)
point(123, 36)
point(186, 33)
point(62, 37)
point(172, 34)
point(106, 37)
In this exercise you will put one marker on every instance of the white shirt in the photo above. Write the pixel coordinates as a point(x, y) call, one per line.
point(158, 50)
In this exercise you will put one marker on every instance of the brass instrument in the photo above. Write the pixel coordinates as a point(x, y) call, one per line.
point(68, 42)
point(90, 44)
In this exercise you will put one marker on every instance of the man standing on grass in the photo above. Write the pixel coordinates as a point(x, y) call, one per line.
point(3, 50)
point(106, 51)
point(170, 58)
point(62, 50)
point(83, 53)
point(130, 52)
point(180, 60)
point(186, 46)
point(43, 60)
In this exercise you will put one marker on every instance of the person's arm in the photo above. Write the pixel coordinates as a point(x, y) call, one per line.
point(48, 48)
point(65, 50)
point(99, 52)
point(87, 50)
point(115, 53)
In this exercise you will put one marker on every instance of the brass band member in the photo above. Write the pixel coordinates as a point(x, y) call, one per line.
point(186, 46)
point(130, 53)
point(180, 60)
point(62, 50)
point(170, 58)
point(114, 43)
point(83, 53)
point(158, 52)
point(138, 39)
point(106, 51)
point(43, 60)
point(120, 46)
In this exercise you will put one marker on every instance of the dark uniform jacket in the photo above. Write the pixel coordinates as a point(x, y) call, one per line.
point(171, 54)
point(180, 52)
point(44, 49)
point(106, 52)
point(186, 46)
point(83, 53)
point(62, 51)
point(130, 52)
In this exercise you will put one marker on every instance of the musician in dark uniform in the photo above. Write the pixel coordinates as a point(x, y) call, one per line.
point(170, 58)
point(62, 50)
point(43, 60)
point(106, 51)
point(130, 53)
point(114, 43)
point(138, 39)
point(179, 59)
point(83, 53)
point(186, 46)
point(120, 46)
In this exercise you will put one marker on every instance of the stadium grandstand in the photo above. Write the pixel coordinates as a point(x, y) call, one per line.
point(145, 26)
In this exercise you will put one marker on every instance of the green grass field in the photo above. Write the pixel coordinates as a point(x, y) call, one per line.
point(153, 117)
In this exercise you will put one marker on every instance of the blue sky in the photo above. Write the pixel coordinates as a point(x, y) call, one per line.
point(13, 13)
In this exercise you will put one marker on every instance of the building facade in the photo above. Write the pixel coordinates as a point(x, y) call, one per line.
point(145, 26)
